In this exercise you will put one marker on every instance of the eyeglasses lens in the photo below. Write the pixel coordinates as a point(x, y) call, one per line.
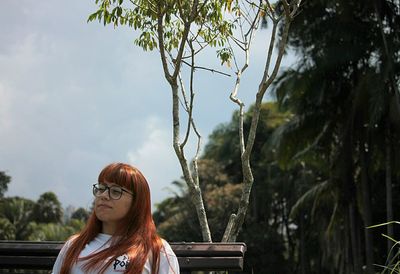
point(115, 192)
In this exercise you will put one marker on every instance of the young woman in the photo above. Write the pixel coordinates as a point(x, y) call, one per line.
point(120, 236)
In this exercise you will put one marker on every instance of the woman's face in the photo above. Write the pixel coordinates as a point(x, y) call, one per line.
point(111, 211)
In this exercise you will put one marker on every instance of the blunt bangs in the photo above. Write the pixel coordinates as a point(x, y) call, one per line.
point(118, 173)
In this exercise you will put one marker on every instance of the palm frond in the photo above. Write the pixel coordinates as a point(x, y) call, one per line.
point(311, 195)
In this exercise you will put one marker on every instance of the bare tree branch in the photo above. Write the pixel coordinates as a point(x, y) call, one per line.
point(190, 106)
point(184, 38)
point(237, 220)
point(160, 31)
point(204, 68)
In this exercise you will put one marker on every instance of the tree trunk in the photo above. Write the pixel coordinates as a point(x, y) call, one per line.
point(193, 183)
point(366, 200)
point(355, 248)
point(302, 246)
point(388, 180)
point(346, 258)
point(344, 172)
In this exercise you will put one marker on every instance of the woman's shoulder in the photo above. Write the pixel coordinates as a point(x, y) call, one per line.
point(70, 240)
point(166, 248)
point(168, 260)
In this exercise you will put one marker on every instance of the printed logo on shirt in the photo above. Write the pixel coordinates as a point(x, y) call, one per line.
point(121, 263)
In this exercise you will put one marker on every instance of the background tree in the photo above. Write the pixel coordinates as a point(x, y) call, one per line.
point(174, 216)
point(80, 214)
point(7, 230)
point(4, 181)
point(23, 219)
point(344, 105)
point(48, 209)
point(18, 212)
point(54, 231)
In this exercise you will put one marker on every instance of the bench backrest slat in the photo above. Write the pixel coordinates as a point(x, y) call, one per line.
point(191, 256)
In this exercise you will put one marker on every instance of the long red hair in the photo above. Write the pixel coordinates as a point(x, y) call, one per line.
point(136, 236)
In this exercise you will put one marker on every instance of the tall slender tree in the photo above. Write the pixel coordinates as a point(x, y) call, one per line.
point(180, 30)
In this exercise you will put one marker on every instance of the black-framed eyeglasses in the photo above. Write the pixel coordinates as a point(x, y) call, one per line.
point(114, 192)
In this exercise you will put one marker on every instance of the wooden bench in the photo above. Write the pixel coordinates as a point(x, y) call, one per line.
point(191, 256)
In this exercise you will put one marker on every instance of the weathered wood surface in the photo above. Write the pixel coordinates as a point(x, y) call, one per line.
point(191, 256)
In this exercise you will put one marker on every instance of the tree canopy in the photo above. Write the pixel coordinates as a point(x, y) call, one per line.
point(48, 209)
point(4, 181)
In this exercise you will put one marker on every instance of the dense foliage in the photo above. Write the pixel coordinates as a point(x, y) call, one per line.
point(330, 168)
point(346, 100)
point(24, 219)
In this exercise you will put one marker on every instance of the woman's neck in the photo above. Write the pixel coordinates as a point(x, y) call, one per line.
point(108, 228)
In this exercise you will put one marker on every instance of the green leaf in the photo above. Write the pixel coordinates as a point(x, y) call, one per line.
point(119, 11)
point(92, 17)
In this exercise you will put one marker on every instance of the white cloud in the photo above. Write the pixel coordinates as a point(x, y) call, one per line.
point(5, 103)
point(156, 158)
point(75, 97)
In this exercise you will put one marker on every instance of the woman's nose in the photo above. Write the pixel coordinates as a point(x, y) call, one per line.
point(105, 194)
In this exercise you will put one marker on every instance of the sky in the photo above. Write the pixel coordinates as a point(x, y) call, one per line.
point(76, 96)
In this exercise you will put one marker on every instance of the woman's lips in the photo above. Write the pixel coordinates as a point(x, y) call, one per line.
point(103, 206)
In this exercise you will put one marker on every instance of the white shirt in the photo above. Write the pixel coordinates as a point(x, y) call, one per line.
point(168, 261)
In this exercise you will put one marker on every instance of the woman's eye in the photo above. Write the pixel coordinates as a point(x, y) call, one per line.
point(101, 188)
point(115, 191)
